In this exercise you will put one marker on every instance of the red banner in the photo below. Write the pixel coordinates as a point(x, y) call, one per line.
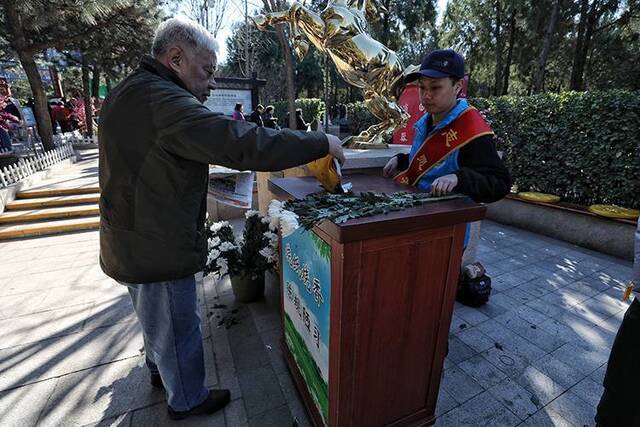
point(410, 101)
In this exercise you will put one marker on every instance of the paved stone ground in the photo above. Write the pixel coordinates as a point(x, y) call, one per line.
point(71, 349)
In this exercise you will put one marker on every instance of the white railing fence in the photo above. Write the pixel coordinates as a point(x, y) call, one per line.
point(27, 166)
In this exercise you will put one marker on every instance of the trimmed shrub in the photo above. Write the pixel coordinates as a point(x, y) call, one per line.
point(582, 146)
point(312, 108)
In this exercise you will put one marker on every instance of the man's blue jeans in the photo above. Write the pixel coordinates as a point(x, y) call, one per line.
point(170, 319)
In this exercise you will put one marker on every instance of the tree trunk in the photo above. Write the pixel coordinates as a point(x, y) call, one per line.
point(88, 111)
point(95, 82)
point(25, 55)
point(593, 16)
point(43, 119)
point(270, 6)
point(498, 71)
point(107, 82)
point(538, 79)
point(578, 66)
point(512, 39)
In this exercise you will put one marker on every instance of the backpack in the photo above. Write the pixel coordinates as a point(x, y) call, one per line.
point(474, 287)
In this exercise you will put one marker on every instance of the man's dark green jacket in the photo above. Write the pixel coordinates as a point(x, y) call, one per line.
point(156, 141)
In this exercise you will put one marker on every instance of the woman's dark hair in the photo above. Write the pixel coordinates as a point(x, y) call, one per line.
point(238, 107)
point(269, 109)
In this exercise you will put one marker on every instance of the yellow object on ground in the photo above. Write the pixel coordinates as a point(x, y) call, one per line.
point(539, 197)
point(613, 211)
point(325, 171)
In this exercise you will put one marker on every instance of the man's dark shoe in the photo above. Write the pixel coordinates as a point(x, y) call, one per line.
point(156, 381)
point(216, 400)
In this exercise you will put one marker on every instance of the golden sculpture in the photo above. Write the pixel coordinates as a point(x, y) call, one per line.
point(340, 31)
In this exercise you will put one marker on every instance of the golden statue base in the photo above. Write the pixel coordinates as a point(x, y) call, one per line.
point(362, 143)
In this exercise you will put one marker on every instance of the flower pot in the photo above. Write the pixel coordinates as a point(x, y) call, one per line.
point(247, 289)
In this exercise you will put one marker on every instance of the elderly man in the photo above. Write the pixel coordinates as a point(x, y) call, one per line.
point(156, 141)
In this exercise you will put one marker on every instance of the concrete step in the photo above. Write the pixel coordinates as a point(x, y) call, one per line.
point(49, 202)
point(13, 231)
point(55, 192)
point(47, 214)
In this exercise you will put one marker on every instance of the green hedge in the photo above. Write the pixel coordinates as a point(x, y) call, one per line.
point(312, 108)
point(360, 118)
point(582, 146)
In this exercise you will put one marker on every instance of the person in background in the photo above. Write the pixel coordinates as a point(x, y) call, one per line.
point(237, 112)
point(256, 116)
point(301, 124)
point(268, 119)
point(6, 121)
point(619, 403)
point(12, 106)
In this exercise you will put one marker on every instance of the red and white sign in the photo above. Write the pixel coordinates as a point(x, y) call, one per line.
point(410, 101)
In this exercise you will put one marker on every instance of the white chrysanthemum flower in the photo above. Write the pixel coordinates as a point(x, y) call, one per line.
point(273, 237)
point(287, 220)
point(213, 242)
point(268, 254)
point(288, 225)
point(251, 213)
point(221, 263)
point(214, 254)
point(216, 226)
point(227, 246)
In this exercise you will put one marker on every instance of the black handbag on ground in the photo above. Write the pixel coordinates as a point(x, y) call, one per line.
point(474, 287)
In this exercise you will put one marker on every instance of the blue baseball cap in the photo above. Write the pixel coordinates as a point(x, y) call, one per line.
point(438, 64)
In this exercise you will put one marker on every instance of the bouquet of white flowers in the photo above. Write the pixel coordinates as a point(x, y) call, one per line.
point(249, 256)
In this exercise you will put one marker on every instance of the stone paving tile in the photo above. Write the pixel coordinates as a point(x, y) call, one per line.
point(581, 359)
point(531, 333)
point(546, 418)
point(260, 390)
point(470, 315)
point(482, 371)
point(22, 406)
point(589, 391)
point(508, 281)
point(563, 374)
point(235, 414)
point(542, 387)
point(445, 403)
point(294, 400)
point(504, 301)
point(102, 392)
point(273, 418)
point(606, 304)
point(458, 350)
point(519, 295)
point(573, 409)
point(54, 357)
point(598, 375)
point(156, 415)
point(485, 410)
point(475, 339)
point(515, 398)
point(460, 385)
point(580, 333)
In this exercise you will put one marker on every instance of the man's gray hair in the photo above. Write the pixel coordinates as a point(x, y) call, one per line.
point(184, 32)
